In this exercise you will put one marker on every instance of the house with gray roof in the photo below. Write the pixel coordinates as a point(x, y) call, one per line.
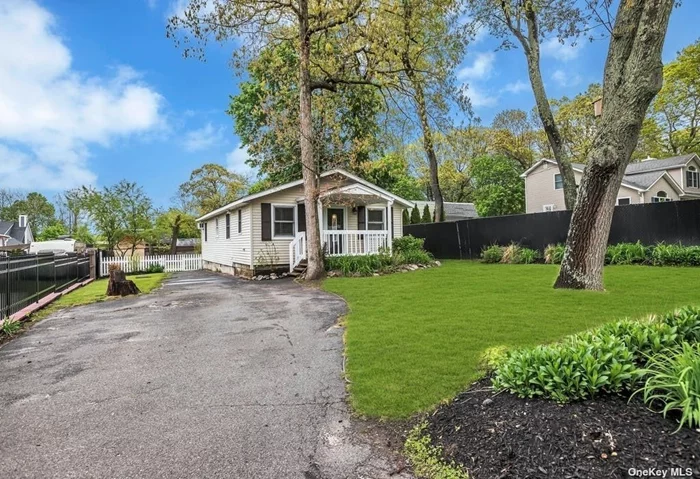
point(647, 181)
point(453, 211)
point(15, 234)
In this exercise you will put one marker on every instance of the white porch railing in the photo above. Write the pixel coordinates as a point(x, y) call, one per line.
point(171, 262)
point(354, 242)
point(297, 250)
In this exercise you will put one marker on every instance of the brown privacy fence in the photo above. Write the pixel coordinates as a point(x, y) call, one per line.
point(671, 222)
point(29, 278)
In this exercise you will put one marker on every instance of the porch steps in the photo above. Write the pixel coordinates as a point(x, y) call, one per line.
point(299, 269)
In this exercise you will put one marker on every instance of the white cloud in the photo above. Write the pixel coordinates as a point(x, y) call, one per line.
point(560, 51)
point(516, 87)
point(481, 68)
point(480, 98)
point(50, 114)
point(565, 79)
point(203, 138)
point(236, 161)
point(152, 4)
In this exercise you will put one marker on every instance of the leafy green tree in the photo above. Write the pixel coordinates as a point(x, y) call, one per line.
point(577, 123)
point(427, 217)
point(673, 123)
point(174, 224)
point(406, 217)
point(83, 234)
point(498, 188)
point(40, 212)
point(344, 122)
point(415, 215)
point(515, 136)
point(53, 231)
point(391, 173)
point(210, 187)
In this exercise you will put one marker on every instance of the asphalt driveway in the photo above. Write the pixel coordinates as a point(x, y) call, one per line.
point(209, 376)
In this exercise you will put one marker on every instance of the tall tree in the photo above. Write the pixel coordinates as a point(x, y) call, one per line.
point(577, 122)
point(7, 197)
point(633, 76)
point(391, 172)
point(515, 136)
point(40, 212)
point(175, 224)
point(673, 126)
point(265, 113)
point(105, 211)
point(530, 22)
point(70, 207)
point(210, 187)
point(261, 24)
point(498, 188)
point(136, 215)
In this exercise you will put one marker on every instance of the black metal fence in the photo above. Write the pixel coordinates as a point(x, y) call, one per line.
point(27, 279)
point(671, 222)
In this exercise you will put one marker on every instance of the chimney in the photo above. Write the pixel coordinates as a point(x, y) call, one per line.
point(22, 221)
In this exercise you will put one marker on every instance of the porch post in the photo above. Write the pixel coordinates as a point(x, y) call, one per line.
point(320, 220)
point(390, 223)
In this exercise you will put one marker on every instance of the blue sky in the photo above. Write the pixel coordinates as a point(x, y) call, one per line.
point(93, 92)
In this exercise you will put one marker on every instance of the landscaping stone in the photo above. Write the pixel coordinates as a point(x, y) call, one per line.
point(517, 438)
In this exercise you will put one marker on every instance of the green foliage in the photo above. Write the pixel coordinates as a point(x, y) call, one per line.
point(492, 254)
point(364, 265)
point(627, 253)
point(609, 358)
point(516, 254)
point(407, 243)
point(427, 217)
point(554, 253)
point(40, 212)
point(9, 327)
point(673, 382)
point(426, 459)
point(391, 173)
point(154, 268)
point(415, 256)
point(498, 188)
point(52, 232)
point(415, 215)
point(211, 186)
point(82, 234)
point(406, 217)
point(675, 255)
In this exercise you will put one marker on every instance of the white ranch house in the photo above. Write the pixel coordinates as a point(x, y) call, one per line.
point(266, 231)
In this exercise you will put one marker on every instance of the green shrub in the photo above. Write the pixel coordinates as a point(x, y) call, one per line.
point(492, 254)
point(10, 327)
point(675, 255)
point(155, 268)
point(554, 253)
point(427, 217)
point(605, 359)
point(407, 243)
point(673, 384)
point(418, 256)
point(415, 215)
point(627, 253)
point(529, 256)
point(516, 254)
point(364, 265)
point(406, 217)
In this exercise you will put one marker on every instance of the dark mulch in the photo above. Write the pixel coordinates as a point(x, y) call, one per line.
point(502, 436)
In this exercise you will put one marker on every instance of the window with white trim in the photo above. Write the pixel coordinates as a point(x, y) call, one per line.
point(547, 208)
point(375, 219)
point(558, 182)
point(661, 197)
point(283, 221)
point(624, 201)
point(692, 177)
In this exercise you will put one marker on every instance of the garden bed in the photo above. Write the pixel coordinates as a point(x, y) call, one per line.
point(503, 436)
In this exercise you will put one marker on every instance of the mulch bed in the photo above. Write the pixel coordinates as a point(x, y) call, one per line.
point(503, 436)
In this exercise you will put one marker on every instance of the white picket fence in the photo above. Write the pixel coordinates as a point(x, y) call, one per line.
point(171, 262)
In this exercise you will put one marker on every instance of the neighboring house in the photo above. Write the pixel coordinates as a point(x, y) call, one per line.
point(647, 181)
point(16, 234)
point(266, 231)
point(453, 211)
point(186, 245)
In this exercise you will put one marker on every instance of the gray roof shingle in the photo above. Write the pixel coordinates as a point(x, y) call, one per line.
point(663, 164)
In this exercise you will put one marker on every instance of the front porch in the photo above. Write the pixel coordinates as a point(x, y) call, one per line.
point(353, 220)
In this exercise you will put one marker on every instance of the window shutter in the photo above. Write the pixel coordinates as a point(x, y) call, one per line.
point(361, 218)
point(266, 211)
point(228, 226)
point(301, 217)
point(240, 220)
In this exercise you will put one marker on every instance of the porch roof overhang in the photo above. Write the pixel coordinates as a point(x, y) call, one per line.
point(354, 191)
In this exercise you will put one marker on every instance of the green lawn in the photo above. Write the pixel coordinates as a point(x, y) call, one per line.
point(415, 339)
point(96, 291)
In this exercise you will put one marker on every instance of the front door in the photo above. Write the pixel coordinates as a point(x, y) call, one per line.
point(335, 220)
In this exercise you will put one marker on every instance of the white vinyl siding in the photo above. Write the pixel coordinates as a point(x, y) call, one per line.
point(226, 251)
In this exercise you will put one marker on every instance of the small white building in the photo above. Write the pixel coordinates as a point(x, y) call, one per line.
point(266, 231)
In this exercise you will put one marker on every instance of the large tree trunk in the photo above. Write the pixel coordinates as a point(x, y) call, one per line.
point(633, 76)
point(531, 46)
point(429, 147)
point(175, 232)
point(315, 268)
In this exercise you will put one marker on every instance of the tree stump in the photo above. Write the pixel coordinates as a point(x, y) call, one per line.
point(120, 286)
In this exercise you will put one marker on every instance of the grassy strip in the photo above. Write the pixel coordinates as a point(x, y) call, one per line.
point(427, 460)
point(416, 339)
